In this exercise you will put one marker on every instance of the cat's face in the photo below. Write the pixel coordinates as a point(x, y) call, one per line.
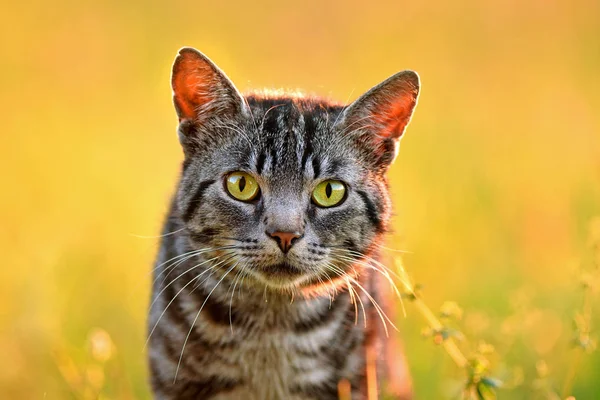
point(290, 192)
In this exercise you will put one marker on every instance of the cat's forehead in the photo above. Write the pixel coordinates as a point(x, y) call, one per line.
point(295, 138)
point(278, 114)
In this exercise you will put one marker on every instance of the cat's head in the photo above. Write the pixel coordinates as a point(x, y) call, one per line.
point(287, 190)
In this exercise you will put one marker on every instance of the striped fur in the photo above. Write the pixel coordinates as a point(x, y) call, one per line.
point(234, 317)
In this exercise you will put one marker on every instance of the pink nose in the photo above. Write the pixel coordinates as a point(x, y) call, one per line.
point(285, 240)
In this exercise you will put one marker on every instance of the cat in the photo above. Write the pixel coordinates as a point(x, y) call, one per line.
point(266, 282)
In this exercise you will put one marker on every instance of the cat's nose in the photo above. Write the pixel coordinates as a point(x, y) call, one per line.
point(285, 240)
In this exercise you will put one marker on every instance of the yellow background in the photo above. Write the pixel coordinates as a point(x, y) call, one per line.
point(496, 182)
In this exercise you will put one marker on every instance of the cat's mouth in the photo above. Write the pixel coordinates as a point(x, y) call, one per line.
point(280, 275)
point(282, 270)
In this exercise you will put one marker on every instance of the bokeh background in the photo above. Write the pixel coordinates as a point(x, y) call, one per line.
point(497, 180)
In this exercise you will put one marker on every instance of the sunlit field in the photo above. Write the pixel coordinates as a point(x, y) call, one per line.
point(495, 188)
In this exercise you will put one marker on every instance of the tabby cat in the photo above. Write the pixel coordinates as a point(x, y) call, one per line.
point(266, 285)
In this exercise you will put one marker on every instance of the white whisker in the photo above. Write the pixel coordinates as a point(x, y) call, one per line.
point(384, 271)
point(235, 282)
point(180, 290)
point(196, 319)
point(156, 236)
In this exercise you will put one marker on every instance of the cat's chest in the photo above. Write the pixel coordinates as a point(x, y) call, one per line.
point(267, 364)
point(275, 363)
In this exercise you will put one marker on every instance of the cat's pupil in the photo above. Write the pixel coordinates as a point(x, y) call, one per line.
point(242, 183)
point(328, 190)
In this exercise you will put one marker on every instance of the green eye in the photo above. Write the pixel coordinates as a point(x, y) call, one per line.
point(242, 186)
point(329, 193)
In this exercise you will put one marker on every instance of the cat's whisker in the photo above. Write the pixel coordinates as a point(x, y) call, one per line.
point(345, 130)
point(321, 283)
point(353, 261)
point(250, 111)
point(173, 267)
point(262, 124)
point(179, 276)
point(196, 278)
point(378, 308)
point(384, 271)
point(357, 296)
point(364, 257)
point(166, 308)
point(235, 282)
point(327, 290)
point(353, 295)
point(237, 130)
point(246, 273)
point(394, 250)
point(196, 319)
point(333, 286)
point(186, 256)
point(156, 236)
point(192, 253)
point(354, 302)
point(187, 253)
point(215, 269)
point(232, 238)
point(342, 111)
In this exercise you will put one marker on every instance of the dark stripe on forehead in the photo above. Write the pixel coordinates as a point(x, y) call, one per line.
point(290, 118)
point(306, 154)
point(273, 152)
point(281, 139)
point(371, 210)
point(270, 123)
point(310, 130)
point(266, 150)
point(271, 131)
point(194, 202)
point(260, 162)
point(316, 165)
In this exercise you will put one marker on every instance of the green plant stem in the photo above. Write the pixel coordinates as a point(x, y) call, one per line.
point(434, 323)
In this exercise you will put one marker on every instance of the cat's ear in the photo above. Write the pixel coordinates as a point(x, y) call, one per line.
point(380, 116)
point(201, 90)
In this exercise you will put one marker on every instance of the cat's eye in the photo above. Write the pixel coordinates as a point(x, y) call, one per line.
point(329, 193)
point(242, 186)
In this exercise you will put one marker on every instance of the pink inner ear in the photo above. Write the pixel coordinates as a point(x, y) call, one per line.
point(392, 120)
point(190, 83)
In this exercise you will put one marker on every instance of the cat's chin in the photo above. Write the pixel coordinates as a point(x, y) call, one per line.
point(282, 276)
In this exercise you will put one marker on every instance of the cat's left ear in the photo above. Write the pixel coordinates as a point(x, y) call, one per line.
point(380, 116)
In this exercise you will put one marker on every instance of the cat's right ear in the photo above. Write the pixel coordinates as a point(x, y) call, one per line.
point(201, 91)
point(379, 117)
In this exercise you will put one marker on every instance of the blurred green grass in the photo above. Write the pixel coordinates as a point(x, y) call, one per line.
point(497, 178)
